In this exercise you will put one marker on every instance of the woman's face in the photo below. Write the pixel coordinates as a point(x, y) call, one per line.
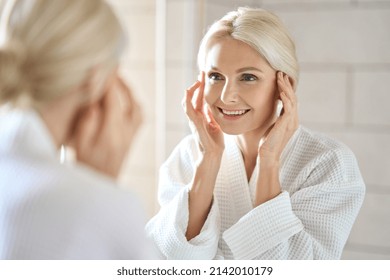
point(240, 87)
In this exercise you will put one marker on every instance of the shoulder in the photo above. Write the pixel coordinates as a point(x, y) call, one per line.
point(83, 192)
point(318, 145)
point(100, 188)
point(322, 156)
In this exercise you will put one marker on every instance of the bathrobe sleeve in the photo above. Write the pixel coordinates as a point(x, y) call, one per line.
point(312, 222)
point(169, 226)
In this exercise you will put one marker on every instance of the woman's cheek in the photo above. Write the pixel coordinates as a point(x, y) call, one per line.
point(209, 94)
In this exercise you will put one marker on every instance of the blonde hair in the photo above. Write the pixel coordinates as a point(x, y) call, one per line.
point(49, 46)
point(261, 30)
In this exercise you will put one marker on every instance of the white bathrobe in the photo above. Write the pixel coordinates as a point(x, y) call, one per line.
point(53, 211)
point(322, 192)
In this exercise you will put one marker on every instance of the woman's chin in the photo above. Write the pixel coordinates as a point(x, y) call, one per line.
point(231, 130)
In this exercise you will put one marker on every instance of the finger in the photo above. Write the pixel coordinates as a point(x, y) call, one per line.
point(111, 111)
point(286, 86)
point(265, 137)
point(130, 107)
point(187, 102)
point(200, 97)
point(135, 115)
point(125, 95)
point(213, 124)
point(87, 128)
point(281, 82)
point(210, 116)
point(287, 106)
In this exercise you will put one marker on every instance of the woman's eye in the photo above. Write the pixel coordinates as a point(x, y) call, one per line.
point(248, 77)
point(215, 77)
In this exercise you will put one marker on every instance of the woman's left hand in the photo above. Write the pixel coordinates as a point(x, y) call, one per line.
point(277, 136)
point(106, 130)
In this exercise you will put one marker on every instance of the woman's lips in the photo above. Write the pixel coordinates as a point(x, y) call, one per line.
point(233, 114)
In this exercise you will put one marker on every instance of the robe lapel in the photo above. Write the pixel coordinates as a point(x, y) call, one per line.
point(236, 180)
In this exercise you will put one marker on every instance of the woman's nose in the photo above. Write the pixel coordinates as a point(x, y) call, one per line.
point(229, 93)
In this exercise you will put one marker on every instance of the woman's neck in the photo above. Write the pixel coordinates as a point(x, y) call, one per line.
point(59, 118)
point(249, 146)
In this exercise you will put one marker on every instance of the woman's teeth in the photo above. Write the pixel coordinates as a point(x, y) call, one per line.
point(234, 113)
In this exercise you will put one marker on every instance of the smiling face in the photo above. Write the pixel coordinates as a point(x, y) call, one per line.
point(240, 88)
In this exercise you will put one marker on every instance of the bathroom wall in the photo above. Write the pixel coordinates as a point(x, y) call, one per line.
point(344, 51)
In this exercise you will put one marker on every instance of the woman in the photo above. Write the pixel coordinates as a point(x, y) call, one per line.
point(59, 83)
point(251, 183)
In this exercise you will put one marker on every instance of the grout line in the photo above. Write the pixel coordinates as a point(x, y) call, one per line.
point(353, 128)
point(326, 6)
point(366, 248)
point(358, 67)
point(377, 189)
point(349, 96)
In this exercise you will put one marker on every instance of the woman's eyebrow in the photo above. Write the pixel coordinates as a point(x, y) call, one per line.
point(214, 68)
point(249, 68)
point(243, 69)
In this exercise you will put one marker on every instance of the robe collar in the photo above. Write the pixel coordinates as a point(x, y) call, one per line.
point(22, 131)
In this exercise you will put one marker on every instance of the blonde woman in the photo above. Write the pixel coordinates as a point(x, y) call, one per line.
point(59, 82)
point(251, 183)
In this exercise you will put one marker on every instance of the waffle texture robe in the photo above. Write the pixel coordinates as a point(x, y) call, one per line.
point(53, 211)
point(322, 192)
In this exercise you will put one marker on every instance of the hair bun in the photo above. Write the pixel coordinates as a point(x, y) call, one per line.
point(12, 78)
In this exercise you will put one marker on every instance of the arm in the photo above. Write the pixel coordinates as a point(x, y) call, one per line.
point(168, 228)
point(274, 142)
point(201, 193)
point(211, 145)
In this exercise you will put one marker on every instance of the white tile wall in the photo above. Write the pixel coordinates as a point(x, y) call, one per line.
point(180, 43)
point(217, 9)
point(362, 254)
point(327, 89)
point(340, 36)
point(177, 77)
point(175, 135)
point(371, 98)
point(371, 223)
point(372, 151)
point(267, 2)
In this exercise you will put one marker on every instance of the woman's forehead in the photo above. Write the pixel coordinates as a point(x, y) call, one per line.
point(230, 53)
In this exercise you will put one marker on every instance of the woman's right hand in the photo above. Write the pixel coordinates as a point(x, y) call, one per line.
point(202, 122)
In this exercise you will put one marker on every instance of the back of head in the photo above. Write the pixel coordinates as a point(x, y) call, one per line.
point(49, 46)
point(261, 30)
